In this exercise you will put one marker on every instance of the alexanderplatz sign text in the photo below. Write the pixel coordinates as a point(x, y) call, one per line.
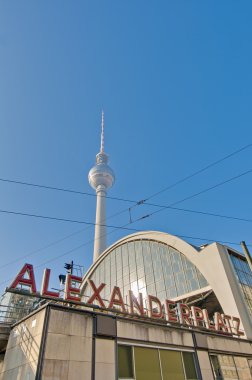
point(167, 310)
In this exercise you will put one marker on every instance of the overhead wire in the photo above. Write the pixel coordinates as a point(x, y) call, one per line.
point(135, 230)
point(55, 242)
point(65, 190)
point(122, 211)
point(69, 251)
point(132, 201)
point(72, 250)
point(209, 214)
point(143, 201)
point(200, 170)
point(162, 207)
point(62, 189)
point(59, 219)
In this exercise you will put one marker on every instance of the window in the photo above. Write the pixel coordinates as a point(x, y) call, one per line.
point(142, 264)
point(244, 277)
point(145, 363)
point(216, 367)
point(227, 367)
point(172, 366)
point(125, 362)
point(189, 365)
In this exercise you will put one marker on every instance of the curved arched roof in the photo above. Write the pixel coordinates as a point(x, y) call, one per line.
point(212, 261)
point(181, 254)
point(163, 237)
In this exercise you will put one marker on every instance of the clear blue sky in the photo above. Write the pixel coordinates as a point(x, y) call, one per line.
point(174, 79)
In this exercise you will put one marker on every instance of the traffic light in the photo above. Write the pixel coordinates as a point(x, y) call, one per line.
point(62, 279)
point(69, 267)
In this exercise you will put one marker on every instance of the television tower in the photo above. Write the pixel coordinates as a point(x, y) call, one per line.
point(101, 178)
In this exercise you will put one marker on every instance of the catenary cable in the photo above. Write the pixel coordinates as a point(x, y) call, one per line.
point(139, 202)
point(200, 171)
point(124, 227)
point(162, 207)
point(122, 211)
point(60, 219)
point(58, 241)
point(133, 230)
point(48, 187)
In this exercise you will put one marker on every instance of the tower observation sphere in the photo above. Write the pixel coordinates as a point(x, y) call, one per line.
point(101, 177)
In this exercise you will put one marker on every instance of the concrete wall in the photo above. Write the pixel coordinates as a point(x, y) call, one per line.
point(153, 334)
point(21, 358)
point(205, 365)
point(68, 347)
point(105, 360)
point(215, 343)
point(76, 345)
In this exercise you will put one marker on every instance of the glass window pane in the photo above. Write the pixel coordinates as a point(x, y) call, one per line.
point(147, 364)
point(125, 365)
point(125, 255)
point(189, 365)
point(172, 367)
point(216, 367)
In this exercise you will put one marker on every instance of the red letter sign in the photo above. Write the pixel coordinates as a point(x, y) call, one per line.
point(137, 304)
point(20, 279)
point(156, 312)
point(116, 299)
point(171, 311)
point(69, 289)
point(198, 316)
point(219, 322)
point(207, 321)
point(96, 294)
point(184, 313)
point(45, 283)
point(236, 326)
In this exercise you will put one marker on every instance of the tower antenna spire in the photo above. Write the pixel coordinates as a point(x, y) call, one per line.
point(101, 177)
point(102, 133)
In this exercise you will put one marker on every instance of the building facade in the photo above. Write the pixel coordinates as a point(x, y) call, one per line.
point(102, 336)
point(66, 343)
point(213, 277)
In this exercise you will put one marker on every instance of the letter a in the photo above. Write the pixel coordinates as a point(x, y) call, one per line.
point(20, 279)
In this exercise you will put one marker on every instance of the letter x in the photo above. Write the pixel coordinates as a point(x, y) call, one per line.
point(96, 294)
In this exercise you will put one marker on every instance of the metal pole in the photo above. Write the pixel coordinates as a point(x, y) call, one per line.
point(247, 254)
point(71, 267)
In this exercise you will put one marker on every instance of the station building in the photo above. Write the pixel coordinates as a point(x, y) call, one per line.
point(151, 307)
point(213, 277)
point(89, 341)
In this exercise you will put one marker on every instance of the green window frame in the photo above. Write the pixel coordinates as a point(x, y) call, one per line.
point(138, 362)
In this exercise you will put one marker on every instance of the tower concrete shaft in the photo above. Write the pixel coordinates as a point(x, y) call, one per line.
point(100, 242)
point(101, 178)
